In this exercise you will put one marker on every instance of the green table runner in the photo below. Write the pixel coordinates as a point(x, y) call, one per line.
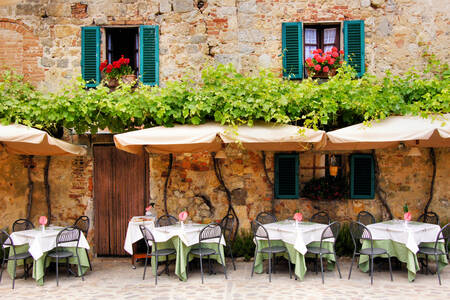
point(38, 265)
point(296, 257)
point(402, 253)
point(180, 256)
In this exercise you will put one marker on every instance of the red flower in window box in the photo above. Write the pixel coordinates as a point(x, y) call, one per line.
point(325, 65)
point(119, 69)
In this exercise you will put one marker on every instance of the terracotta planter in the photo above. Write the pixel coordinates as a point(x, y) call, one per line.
point(112, 82)
point(321, 74)
point(128, 79)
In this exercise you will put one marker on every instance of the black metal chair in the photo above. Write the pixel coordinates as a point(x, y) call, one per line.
point(152, 250)
point(266, 218)
point(366, 218)
point(330, 232)
point(360, 232)
point(321, 217)
point(443, 235)
point(82, 223)
point(260, 232)
point(212, 233)
point(5, 243)
point(67, 235)
point(429, 217)
point(22, 224)
point(166, 220)
point(229, 234)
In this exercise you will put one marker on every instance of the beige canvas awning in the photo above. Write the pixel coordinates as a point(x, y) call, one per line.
point(410, 130)
point(19, 139)
point(177, 139)
point(274, 137)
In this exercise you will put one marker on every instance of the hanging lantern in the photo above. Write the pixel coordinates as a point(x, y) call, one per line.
point(333, 166)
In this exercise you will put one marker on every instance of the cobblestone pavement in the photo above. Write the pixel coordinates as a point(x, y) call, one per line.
point(113, 278)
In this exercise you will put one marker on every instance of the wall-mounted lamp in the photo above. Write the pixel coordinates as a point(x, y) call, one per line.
point(221, 155)
point(414, 152)
point(333, 166)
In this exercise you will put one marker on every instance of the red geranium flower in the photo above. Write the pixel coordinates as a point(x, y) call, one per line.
point(331, 61)
point(341, 51)
point(334, 54)
point(341, 62)
point(116, 64)
point(334, 49)
point(109, 68)
point(127, 61)
point(314, 51)
point(103, 65)
point(326, 69)
point(317, 67)
point(319, 50)
point(316, 56)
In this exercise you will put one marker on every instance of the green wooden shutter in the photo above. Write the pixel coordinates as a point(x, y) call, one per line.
point(354, 45)
point(292, 49)
point(362, 183)
point(149, 54)
point(90, 55)
point(286, 176)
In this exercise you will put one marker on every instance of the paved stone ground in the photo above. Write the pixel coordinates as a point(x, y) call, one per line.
point(113, 278)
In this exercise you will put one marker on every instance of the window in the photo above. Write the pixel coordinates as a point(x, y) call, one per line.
point(296, 49)
point(362, 181)
point(286, 176)
point(141, 45)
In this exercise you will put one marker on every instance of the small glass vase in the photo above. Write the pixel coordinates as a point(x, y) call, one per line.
point(43, 228)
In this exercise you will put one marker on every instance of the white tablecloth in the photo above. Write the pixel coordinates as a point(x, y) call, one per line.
point(43, 241)
point(410, 234)
point(189, 234)
point(299, 236)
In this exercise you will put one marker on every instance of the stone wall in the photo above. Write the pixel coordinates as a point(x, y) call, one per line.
point(245, 33)
point(193, 185)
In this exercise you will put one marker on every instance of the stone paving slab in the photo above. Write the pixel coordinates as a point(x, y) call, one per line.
point(113, 278)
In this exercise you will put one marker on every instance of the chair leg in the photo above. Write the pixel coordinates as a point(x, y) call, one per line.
point(57, 271)
point(337, 265)
point(187, 265)
point(289, 265)
point(167, 265)
point(89, 260)
point(156, 273)
point(437, 269)
point(201, 266)
point(145, 267)
point(426, 264)
point(232, 258)
point(270, 267)
point(315, 263)
point(1, 266)
point(351, 265)
point(67, 266)
point(14, 275)
point(223, 264)
point(371, 269)
point(254, 259)
point(390, 267)
point(321, 268)
point(209, 265)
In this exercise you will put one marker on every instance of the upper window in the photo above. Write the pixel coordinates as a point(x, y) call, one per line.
point(140, 45)
point(323, 37)
point(362, 176)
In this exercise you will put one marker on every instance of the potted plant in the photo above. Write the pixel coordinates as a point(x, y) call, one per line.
point(119, 69)
point(326, 188)
point(324, 64)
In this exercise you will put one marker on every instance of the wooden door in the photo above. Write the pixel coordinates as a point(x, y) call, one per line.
point(120, 192)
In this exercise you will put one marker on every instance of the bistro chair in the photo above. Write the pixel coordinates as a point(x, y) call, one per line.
point(260, 232)
point(22, 224)
point(321, 217)
point(366, 218)
point(5, 243)
point(212, 233)
point(166, 220)
point(360, 232)
point(330, 232)
point(443, 236)
point(82, 223)
point(266, 218)
point(67, 235)
point(429, 217)
point(227, 225)
point(152, 245)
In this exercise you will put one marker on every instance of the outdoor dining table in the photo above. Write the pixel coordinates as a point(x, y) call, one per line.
point(401, 239)
point(38, 243)
point(295, 237)
point(179, 237)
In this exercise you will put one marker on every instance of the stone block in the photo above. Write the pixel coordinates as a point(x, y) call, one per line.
point(62, 63)
point(62, 31)
point(248, 7)
point(365, 3)
point(47, 62)
point(198, 38)
point(165, 6)
point(250, 36)
point(181, 6)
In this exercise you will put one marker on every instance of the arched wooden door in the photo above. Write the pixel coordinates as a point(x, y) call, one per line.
point(120, 192)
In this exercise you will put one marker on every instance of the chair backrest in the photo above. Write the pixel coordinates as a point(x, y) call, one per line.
point(211, 231)
point(359, 232)
point(148, 237)
point(22, 224)
point(365, 217)
point(227, 225)
point(429, 217)
point(265, 218)
point(443, 236)
point(321, 217)
point(330, 232)
point(68, 235)
point(6, 241)
point(166, 220)
point(83, 224)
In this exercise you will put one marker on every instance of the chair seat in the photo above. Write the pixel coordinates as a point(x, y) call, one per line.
point(318, 250)
point(374, 251)
point(430, 251)
point(273, 249)
point(203, 251)
point(19, 256)
point(61, 254)
point(163, 252)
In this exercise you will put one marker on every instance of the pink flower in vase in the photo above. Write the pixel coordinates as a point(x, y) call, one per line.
point(407, 216)
point(298, 217)
point(182, 216)
point(43, 220)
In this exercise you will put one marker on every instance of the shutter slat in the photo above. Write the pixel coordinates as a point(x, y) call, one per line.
point(362, 176)
point(286, 176)
point(292, 50)
point(354, 45)
point(90, 55)
point(149, 52)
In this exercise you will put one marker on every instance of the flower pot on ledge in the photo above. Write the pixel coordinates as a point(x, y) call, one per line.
point(321, 74)
point(128, 79)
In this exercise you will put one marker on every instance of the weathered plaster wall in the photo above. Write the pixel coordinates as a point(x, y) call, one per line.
point(70, 181)
point(246, 33)
point(405, 178)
